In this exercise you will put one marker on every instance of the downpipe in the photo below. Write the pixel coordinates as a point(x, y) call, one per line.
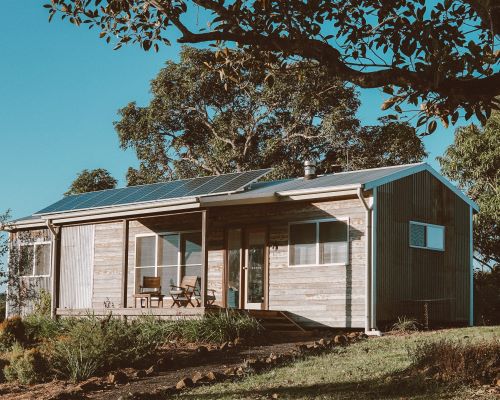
point(369, 330)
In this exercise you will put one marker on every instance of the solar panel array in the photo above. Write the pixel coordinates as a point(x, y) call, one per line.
point(208, 185)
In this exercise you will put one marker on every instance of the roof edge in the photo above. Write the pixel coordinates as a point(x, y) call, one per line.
point(420, 168)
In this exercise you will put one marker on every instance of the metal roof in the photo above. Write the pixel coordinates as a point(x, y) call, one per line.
point(237, 187)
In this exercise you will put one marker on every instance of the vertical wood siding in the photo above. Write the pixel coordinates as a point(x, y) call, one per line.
point(406, 273)
point(108, 254)
point(77, 259)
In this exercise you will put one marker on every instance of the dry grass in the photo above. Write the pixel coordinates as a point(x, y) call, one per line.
point(374, 369)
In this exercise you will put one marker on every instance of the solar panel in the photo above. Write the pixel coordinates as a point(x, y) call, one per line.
point(202, 186)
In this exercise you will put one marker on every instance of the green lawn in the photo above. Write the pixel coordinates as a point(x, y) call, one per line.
point(372, 369)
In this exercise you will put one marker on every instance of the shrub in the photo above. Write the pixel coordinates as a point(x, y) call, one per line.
point(405, 325)
point(90, 345)
point(487, 296)
point(218, 327)
point(25, 366)
point(12, 330)
point(456, 361)
point(39, 328)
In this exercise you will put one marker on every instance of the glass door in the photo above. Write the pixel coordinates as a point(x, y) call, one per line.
point(255, 268)
point(234, 266)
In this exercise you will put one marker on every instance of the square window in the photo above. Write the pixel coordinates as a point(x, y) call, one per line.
point(435, 237)
point(303, 244)
point(426, 236)
point(333, 242)
point(42, 259)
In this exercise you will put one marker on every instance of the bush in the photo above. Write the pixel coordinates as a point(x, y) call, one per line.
point(90, 345)
point(456, 361)
point(25, 366)
point(405, 325)
point(39, 328)
point(487, 297)
point(12, 330)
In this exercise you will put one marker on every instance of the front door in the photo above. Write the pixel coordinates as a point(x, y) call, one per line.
point(255, 269)
point(246, 268)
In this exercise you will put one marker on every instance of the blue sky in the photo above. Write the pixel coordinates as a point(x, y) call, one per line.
point(60, 87)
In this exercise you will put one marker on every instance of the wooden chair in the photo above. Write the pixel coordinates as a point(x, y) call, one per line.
point(149, 290)
point(189, 293)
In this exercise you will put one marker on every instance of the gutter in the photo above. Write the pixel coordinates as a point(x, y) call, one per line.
point(370, 328)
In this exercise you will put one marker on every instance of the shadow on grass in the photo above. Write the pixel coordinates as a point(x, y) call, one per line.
point(389, 387)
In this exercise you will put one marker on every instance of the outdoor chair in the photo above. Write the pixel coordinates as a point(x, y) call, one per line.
point(149, 290)
point(189, 293)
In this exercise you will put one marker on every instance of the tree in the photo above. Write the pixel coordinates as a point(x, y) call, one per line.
point(197, 124)
point(90, 181)
point(441, 55)
point(473, 161)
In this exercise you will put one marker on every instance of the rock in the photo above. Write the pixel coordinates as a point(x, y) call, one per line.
point(202, 351)
point(363, 336)
point(117, 377)
point(275, 396)
point(91, 384)
point(240, 371)
point(213, 376)
point(340, 339)
point(352, 335)
point(140, 373)
point(322, 342)
point(198, 377)
point(230, 371)
point(153, 370)
point(184, 383)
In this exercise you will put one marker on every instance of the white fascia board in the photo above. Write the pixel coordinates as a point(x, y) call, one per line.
point(228, 201)
point(27, 224)
point(312, 191)
point(416, 169)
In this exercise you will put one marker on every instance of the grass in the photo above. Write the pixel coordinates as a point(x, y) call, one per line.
point(373, 369)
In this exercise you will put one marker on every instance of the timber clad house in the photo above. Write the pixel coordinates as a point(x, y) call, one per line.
point(352, 249)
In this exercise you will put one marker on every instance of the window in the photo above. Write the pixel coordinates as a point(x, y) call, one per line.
point(169, 256)
point(319, 242)
point(426, 236)
point(34, 259)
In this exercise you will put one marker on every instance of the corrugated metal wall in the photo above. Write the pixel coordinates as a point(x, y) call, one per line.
point(406, 273)
point(77, 259)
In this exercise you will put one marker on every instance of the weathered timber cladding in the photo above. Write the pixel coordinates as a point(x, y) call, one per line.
point(77, 263)
point(108, 254)
point(35, 284)
point(317, 295)
point(406, 273)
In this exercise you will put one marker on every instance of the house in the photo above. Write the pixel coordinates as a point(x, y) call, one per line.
point(350, 249)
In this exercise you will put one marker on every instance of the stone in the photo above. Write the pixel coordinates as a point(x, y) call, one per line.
point(352, 335)
point(184, 383)
point(91, 384)
point(140, 373)
point(275, 395)
point(153, 370)
point(322, 342)
point(202, 351)
point(340, 339)
point(213, 376)
point(230, 371)
point(240, 371)
point(198, 377)
point(117, 377)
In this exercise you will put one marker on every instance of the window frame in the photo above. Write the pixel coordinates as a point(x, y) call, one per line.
point(317, 222)
point(157, 235)
point(425, 224)
point(35, 244)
